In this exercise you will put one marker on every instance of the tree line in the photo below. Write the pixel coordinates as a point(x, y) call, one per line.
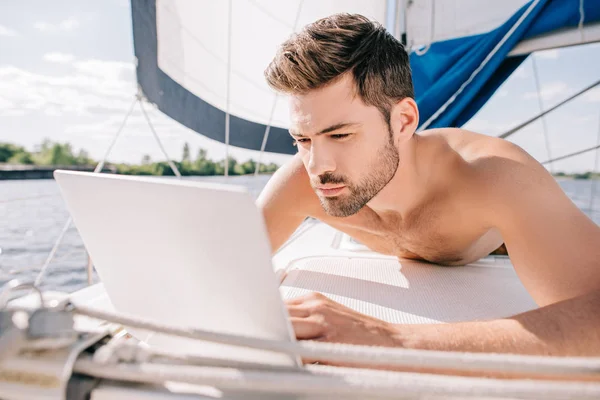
point(50, 153)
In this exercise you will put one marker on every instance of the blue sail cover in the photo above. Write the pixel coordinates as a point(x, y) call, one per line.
point(440, 72)
point(163, 73)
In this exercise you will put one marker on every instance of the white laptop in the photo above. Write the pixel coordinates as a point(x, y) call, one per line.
point(184, 253)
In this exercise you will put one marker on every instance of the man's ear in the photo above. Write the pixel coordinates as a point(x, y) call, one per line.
point(404, 119)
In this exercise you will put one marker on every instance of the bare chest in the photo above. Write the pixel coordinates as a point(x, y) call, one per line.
point(436, 235)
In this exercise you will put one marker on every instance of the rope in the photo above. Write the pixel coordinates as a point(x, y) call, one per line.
point(38, 279)
point(14, 285)
point(593, 190)
point(572, 154)
point(524, 124)
point(268, 127)
point(421, 52)
point(369, 355)
point(346, 382)
point(116, 137)
point(544, 125)
point(581, 19)
point(481, 66)
point(226, 166)
point(171, 164)
point(12, 341)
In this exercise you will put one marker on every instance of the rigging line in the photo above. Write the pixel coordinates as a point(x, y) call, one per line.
point(480, 67)
point(541, 103)
point(421, 52)
point(581, 19)
point(268, 127)
point(40, 276)
point(227, 117)
point(517, 128)
point(171, 164)
point(593, 189)
point(572, 154)
point(234, 71)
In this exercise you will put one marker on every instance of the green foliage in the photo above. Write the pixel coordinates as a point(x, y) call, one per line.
point(9, 150)
point(62, 154)
point(21, 158)
point(579, 176)
point(585, 175)
point(186, 153)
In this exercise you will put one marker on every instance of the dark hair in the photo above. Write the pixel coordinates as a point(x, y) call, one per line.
point(344, 43)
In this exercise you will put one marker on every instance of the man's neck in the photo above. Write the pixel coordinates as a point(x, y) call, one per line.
point(411, 182)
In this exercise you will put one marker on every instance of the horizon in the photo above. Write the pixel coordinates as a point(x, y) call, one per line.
point(67, 78)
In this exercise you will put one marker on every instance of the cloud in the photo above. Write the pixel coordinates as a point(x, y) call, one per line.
point(111, 70)
point(502, 93)
point(592, 95)
point(582, 119)
point(551, 54)
point(53, 111)
point(92, 86)
point(67, 25)
point(487, 127)
point(5, 104)
point(7, 108)
point(549, 91)
point(60, 58)
point(136, 125)
point(12, 113)
point(4, 31)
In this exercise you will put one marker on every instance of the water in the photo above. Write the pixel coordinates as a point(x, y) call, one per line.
point(33, 215)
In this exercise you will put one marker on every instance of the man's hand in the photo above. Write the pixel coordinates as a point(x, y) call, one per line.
point(317, 317)
point(567, 328)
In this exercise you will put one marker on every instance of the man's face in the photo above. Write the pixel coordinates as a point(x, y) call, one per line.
point(346, 146)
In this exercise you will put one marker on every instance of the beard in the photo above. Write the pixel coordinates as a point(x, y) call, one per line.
point(381, 172)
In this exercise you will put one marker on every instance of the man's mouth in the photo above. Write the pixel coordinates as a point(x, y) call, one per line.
point(329, 191)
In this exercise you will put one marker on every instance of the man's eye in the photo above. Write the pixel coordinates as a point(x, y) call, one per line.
point(302, 140)
point(340, 135)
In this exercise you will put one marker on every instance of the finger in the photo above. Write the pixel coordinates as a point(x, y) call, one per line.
point(298, 311)
point(306, 328)
point(305, 298)
point(297, 300)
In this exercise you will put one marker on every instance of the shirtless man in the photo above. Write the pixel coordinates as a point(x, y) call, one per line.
point(447, 196)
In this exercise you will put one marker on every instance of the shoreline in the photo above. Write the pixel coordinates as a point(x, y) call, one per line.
point(10, 172)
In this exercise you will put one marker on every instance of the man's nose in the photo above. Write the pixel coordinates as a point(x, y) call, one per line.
point(321, 161)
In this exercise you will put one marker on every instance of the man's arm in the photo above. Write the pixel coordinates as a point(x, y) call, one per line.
point(286, 201)
point(555, 250)
point(567, 328)
point(554, 247)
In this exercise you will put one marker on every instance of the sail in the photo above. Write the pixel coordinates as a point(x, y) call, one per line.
point(199, 60)
point(182, 50)
point(454, 78)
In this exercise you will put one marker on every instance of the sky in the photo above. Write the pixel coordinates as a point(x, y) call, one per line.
point(67, 73)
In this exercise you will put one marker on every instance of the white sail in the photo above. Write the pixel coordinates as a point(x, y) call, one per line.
point(193, 39)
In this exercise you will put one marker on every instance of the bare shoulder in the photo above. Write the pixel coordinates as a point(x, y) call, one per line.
point(492, 161)
point(289, 189)
point(499, 165)
point(286, 201)
point(553, 245)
